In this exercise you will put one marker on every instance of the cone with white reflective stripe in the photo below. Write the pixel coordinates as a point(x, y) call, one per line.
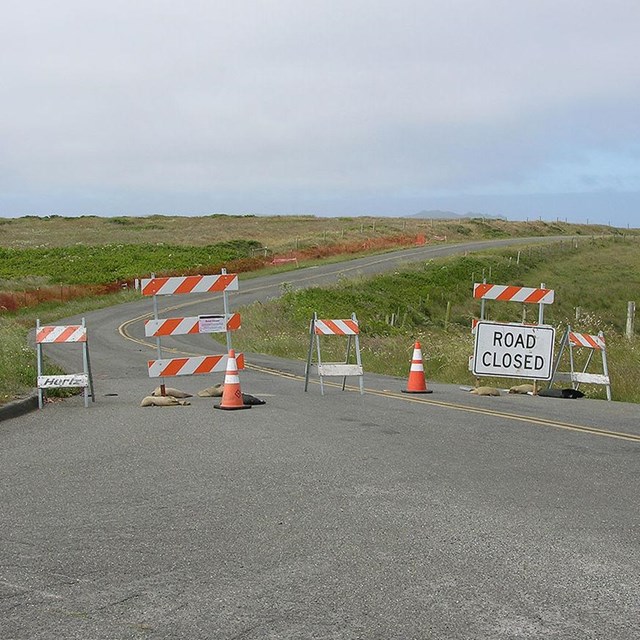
point(417, 382)
point(232, 394)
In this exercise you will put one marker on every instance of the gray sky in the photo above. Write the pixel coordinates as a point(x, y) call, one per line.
point(524, 108)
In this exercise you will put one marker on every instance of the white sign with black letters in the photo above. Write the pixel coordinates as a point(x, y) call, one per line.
point(212, 324)
point(513, 350)
point(63, 381)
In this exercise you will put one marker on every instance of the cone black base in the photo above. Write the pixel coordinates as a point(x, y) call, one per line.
point(425, 391)
point(244, 406)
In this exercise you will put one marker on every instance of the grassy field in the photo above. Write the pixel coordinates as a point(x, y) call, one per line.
point(278, 234)
point(56, 257)
point(45, 262)
point(101, 264)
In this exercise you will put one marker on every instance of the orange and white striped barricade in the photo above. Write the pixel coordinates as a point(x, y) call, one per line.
point(190, 365)
point(64, 334)
point(210, 323)
point(507, 293)
point(594, 343)
point(349, 328)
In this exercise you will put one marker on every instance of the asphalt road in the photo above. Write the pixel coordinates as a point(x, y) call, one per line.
point(381, 516)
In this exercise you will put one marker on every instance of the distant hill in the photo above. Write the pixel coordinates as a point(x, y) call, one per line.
point(436, 213)
point(451, 215)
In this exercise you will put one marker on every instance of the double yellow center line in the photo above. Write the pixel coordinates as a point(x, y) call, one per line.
point(619, 435)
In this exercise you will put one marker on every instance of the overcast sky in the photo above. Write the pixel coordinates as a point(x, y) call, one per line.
point(522, 108)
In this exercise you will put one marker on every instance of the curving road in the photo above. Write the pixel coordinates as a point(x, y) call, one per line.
point(382, 516)
point(112, 355)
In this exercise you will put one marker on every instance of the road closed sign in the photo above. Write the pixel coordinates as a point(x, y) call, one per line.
point(513, 350)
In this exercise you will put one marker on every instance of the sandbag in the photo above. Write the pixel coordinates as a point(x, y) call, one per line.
point(170, 391)
point(212, 392)
point(571, 394)
point(485, 391)
point(522, 388)
point(162, 401)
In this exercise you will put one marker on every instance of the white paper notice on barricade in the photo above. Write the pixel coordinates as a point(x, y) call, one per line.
point(212, 324)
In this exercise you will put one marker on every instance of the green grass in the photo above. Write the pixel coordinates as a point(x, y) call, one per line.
point(17, 361)
point(99, 264)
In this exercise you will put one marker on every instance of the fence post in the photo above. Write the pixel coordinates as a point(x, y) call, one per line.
point(631, 313)
point(447, 315)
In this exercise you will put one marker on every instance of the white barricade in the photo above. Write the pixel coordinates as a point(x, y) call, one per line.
point(64, 334)
point(349, 328)
point(594, 343)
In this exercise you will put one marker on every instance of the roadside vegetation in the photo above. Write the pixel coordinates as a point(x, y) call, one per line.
point(57, 267)
point(116, 263)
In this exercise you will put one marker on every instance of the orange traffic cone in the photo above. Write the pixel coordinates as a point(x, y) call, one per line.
point(417, 382)
point(231, 393)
